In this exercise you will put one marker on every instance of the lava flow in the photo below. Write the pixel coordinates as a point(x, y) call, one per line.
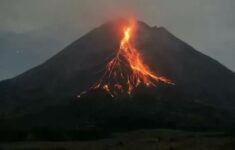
point(126, 71)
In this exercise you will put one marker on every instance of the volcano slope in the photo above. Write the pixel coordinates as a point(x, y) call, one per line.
point(46, 96)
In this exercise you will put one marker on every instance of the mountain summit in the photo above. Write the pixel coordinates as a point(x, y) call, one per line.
point(200, 82)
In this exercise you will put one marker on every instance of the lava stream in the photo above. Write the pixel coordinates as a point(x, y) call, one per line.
point(126, 71)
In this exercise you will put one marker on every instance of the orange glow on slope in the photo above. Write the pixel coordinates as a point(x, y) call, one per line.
point(126, 71)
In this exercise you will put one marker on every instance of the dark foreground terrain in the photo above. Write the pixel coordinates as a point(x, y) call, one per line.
point(158, 139)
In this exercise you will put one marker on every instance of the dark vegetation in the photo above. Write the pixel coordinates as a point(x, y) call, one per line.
point(96, 115)
point(154, 139)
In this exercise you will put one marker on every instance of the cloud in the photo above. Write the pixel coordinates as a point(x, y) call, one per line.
point(207, 25)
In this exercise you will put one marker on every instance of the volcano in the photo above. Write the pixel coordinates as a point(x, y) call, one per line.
point(126, 73)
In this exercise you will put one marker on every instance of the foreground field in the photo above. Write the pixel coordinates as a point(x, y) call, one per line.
point(159, 139)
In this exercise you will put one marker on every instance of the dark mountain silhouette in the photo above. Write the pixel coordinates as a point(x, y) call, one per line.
point(203, 94)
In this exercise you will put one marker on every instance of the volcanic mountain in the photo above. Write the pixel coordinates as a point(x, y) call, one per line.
point(188, 86)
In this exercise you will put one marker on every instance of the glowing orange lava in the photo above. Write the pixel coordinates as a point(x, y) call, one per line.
point(126, 71)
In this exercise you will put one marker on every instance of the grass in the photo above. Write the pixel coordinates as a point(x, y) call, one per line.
point(157, 139)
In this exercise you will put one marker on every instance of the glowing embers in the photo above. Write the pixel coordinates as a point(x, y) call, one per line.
point(126, 71)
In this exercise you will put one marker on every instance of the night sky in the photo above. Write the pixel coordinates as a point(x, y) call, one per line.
point(31, 31)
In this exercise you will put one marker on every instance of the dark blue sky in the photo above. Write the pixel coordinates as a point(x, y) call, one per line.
point(33, 31)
